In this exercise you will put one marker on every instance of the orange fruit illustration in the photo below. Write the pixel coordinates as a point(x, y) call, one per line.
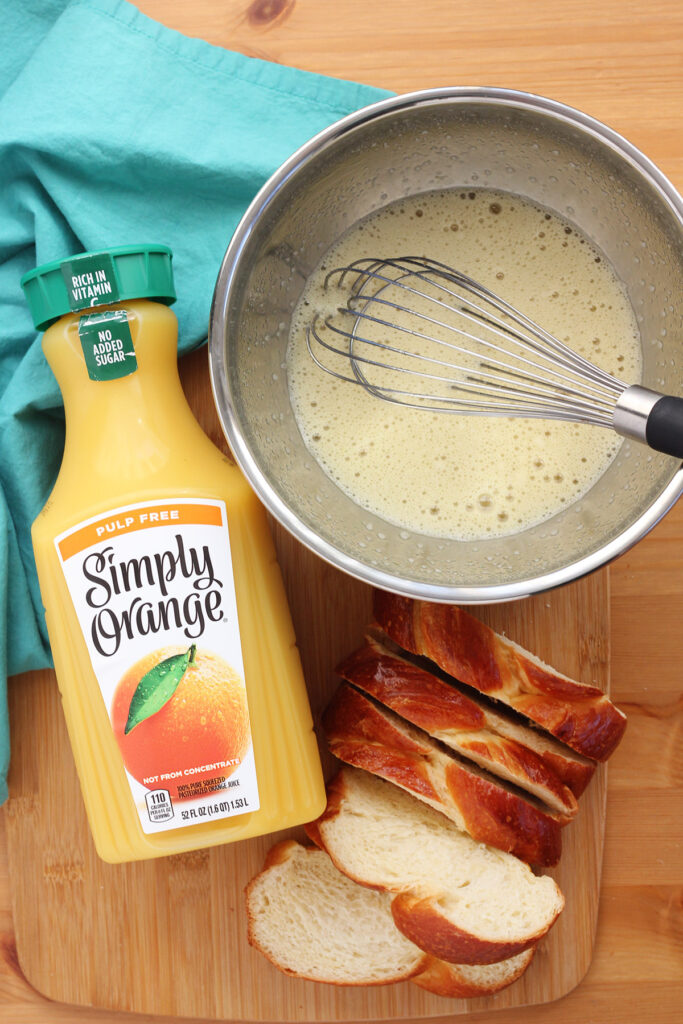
point(205, 721)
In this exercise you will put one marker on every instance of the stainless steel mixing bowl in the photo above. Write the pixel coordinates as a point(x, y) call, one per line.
point(432, 140)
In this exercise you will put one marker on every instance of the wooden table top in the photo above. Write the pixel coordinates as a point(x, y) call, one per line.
point(620, 61)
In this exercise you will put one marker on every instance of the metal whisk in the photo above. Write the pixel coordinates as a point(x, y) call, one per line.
point(418, 333)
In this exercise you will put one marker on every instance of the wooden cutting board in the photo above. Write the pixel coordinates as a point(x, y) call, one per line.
point(169, 936)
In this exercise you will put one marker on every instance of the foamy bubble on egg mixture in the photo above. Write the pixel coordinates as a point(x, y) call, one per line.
point(468, 477)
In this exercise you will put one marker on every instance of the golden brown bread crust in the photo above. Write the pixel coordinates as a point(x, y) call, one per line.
point(278, 854)
point(450, 980)
point(572, 769)
point(410, 690)
point(575, 775)
point(375, 739)
point(453, 718)
point(577, 714)
point(420, 921)
point(313, 832)
point(390, 764)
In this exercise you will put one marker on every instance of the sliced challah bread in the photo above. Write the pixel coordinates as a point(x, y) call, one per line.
point(367, 735)
point(456, 898)
point(466, 981)
point(577, 714)
point(312, 922)
point(461, 722)
point(572, 769)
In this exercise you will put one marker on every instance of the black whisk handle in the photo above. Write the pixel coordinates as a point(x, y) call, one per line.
point(651, 418)
point(664, 427)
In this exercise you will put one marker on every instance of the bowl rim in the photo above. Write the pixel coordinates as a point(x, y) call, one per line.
point(478, 594)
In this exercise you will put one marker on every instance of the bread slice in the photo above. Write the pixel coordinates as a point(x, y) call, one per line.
point(577, 714)
point(450, 716)
point(466, 981)
point(455, 898)
point(367, 735)
point(312, 922)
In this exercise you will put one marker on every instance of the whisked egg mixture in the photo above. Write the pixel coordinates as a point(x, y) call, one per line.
point(468, 477)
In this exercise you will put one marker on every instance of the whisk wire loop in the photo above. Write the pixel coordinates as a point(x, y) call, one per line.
point(494, 328)
point(536, 339)
point(480, 384)
point(470, 352)
point(372, 292)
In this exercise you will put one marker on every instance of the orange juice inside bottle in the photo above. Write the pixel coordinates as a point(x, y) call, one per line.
point(173, 645)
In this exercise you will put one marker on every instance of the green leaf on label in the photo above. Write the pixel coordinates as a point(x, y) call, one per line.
point(157, 687)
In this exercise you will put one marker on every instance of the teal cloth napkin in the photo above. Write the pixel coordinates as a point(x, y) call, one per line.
point(115, 130)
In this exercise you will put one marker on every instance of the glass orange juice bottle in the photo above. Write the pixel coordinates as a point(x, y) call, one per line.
point(171, 636)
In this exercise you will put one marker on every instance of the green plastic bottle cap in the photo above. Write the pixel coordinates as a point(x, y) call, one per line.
point(98, 278)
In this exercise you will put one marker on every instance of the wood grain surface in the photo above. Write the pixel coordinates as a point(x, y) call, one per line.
point(619, 61)
point(181, 920)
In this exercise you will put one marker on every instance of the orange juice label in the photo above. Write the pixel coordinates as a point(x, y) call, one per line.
point(153, 589)
point(107, 345)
